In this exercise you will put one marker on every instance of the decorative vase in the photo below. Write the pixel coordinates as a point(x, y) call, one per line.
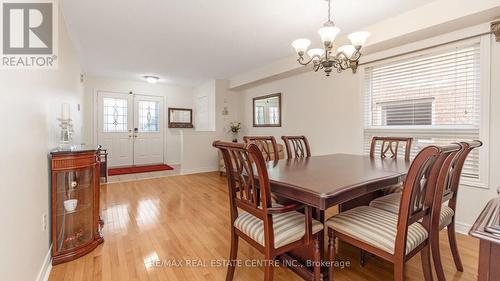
point(235, 136)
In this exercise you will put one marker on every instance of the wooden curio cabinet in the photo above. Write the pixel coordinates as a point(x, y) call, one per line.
point(76, 224)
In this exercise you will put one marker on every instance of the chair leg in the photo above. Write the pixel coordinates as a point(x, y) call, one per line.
point(232, 256)
point(269, 268)
point(362, 258)
point(436, 255)
point(331, 253)
point(454, 247)
point(317, 260)
point(426, 263)
point(399, 271)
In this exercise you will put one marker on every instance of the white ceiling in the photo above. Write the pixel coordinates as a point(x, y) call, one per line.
point(190, 41)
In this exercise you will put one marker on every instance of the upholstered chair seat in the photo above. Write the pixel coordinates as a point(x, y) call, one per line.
point(288, 227)
point(376, 227)
point(391, 202)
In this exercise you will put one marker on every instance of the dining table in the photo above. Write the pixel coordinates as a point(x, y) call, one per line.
point(322, 182)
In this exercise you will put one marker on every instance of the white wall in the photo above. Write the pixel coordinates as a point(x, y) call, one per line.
point(325, 109)
point(204, 106)
point(197, 153)
point(175, 96)
point(30, 102)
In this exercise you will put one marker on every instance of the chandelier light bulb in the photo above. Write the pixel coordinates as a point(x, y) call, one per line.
point(316, 53)
point(301, 45)
point(358, 39)
point(328, 33)
point(348, 50)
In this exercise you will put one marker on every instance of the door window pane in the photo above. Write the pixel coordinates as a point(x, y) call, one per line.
point(149, 114)
point(115, 115)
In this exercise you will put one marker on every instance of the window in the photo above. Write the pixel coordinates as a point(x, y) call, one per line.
point(149, 114)
point(407, 112)
point(433, 97)
point(115, 115)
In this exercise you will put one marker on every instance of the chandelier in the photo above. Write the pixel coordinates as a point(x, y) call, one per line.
point(345, 57)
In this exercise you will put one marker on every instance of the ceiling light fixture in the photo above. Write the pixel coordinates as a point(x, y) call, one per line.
point(347, 56)
point(151, 79)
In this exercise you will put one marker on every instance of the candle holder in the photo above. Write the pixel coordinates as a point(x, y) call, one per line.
point(66, 135)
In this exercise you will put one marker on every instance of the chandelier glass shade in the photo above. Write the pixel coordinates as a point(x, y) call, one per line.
point(345, 57)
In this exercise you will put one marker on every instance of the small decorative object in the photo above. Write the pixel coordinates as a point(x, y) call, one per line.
point(495, 28)
point(74, 239)
point(225, 111)
point(234, 128)
point(70, 205)
point(66, 135)
point(347, 56)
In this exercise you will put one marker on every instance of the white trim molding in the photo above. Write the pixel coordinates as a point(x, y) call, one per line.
point(462, 228)
point(44, 273)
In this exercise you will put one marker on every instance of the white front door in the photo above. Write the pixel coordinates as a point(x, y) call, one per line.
point(148, 133)
point(130, 128)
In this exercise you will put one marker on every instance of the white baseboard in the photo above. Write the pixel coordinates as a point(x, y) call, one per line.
point(462, 228)
point(198, 170)
point(43, 274)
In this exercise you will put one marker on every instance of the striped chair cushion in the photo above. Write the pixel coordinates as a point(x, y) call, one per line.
point(288, 227)
point(393, 188)
point(391, 202)
point(376, 227)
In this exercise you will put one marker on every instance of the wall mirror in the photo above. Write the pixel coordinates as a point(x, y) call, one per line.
point(180, 118)
point(267, 111)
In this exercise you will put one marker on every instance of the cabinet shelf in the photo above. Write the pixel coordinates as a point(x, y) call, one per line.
point(62, 211)
point(76, 189)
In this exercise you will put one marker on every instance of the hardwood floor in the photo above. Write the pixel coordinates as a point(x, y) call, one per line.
point(185, 219)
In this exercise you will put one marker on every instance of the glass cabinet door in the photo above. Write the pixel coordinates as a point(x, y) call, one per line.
point(74, 208)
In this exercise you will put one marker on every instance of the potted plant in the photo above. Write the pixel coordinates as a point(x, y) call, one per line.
point(234, 128)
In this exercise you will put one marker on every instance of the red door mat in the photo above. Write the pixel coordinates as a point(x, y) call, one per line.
point(138, 169)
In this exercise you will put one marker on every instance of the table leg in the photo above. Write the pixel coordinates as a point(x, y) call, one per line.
point(299, 259)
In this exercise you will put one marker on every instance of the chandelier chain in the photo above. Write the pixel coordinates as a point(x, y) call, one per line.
point(329, 11)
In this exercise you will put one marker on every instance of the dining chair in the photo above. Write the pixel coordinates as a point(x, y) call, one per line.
point(271, 228)
point(446, 217)
point(267, 145)
point(296, 146)
point(397, 237)
point(389, 146)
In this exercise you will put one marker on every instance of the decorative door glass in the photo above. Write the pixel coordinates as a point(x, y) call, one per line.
point(74, 212)
point(149, 115)
point(115, 115)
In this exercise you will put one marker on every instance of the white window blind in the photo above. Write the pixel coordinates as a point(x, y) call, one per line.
point(434, 98)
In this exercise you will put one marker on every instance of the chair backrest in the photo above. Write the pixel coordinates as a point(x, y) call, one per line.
point(248, 180)
point(296, 146)
point(391, 145)
point(453, 178)
point(421, 183)
point(267, 144)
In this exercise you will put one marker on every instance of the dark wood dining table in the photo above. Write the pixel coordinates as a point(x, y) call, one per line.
point(330, 180)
